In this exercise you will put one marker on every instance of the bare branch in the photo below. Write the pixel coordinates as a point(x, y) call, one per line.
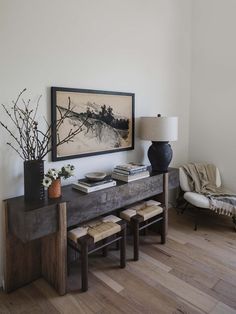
point(69, 136)
point(33, 143)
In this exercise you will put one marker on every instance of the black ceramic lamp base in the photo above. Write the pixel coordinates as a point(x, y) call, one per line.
point(160, 155)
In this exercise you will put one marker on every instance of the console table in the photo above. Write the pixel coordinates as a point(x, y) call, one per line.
point(36, 233)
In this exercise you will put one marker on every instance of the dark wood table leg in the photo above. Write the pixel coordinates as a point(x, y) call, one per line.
point(84, 266)
point(22, 261)
point(163, 231)
point(166, 199)
point(54, 254)
point(135, 225)
point(123, 248)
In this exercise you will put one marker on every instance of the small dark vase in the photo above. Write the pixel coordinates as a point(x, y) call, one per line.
point(33, 178)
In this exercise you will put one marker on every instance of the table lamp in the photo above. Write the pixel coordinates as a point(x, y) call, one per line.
point(160, 130)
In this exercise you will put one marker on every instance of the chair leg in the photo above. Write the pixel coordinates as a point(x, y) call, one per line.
point(84, 266)
point(184, 208)
point(234, 222)
point(196, 219)
point(136, 240)
point(123, 248)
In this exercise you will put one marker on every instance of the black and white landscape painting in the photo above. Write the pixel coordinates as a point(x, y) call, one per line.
point(106, 118)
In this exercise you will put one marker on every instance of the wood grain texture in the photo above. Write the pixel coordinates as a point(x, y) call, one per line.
point(28, 257)
point(107, 280)
point(54, 254)
point(29, 221)
point(36, 236)
point(182, 276)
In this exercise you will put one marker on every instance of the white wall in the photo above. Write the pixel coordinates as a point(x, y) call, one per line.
point(131, 45)
point(213, 104)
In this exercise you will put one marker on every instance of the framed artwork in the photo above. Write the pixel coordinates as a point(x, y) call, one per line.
point(105, 119)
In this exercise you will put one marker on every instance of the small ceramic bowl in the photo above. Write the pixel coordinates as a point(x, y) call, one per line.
point(95, 176)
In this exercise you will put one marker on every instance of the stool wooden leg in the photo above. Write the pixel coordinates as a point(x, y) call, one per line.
point(84, 266)
point(123, 248)
point(105, 249)
point(136, 240)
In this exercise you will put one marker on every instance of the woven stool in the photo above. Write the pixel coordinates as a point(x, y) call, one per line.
point(94, 235)
point(141, 216)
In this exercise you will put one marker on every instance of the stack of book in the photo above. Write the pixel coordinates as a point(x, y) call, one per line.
point(88, 186)
point(130, 172)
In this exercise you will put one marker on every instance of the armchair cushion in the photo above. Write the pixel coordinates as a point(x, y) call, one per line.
point(196, 199)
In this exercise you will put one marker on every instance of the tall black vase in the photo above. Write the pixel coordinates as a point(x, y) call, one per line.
point(33, 178)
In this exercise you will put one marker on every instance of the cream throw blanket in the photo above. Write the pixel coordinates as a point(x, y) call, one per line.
point(202, 179)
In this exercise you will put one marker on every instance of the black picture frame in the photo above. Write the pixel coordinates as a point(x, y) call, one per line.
point(123, 120)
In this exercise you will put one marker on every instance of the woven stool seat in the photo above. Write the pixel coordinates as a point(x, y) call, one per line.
point(147, 210)
point(103, 230)
point(98, 229)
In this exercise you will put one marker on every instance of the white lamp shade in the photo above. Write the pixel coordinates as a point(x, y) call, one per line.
point(159, 129)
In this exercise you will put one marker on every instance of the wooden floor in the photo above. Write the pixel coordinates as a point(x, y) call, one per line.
point(195, 272)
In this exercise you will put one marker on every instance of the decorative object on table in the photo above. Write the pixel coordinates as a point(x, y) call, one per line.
point(130, 168)
point(33, 144)
point(109, 125)
point(130, 178)
point(130, 172)
point(160, 130)
point(52, 180)
point(33, 177)
point(90, 183)
point(95, 176)
point(88, 186)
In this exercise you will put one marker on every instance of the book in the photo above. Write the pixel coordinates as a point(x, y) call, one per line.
point(131, 166)
point(130, 178)
point(129, 172)
point(90, 183)
point(89, 189)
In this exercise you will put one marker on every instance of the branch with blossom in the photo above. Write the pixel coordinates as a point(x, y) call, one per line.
point(29, 142)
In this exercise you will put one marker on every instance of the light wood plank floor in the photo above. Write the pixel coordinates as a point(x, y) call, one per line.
point(195, 272)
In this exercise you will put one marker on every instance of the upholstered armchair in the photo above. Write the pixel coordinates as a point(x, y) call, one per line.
point(197, 200)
